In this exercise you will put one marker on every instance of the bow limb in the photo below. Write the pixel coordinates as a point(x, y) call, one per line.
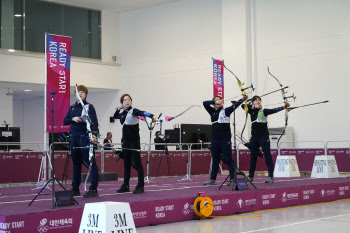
point(240, 85)
point(88, 127)
point(167, 118)
point(285, 101)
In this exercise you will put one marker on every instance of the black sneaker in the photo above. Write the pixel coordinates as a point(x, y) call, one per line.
point(123, 189)
point(91, 193)
point(75, 192)
point(139, 189)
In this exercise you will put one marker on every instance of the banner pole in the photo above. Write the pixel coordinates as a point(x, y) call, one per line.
point(45, 111)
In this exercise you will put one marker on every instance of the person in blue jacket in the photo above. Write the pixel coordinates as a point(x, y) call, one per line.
point(79, 145)
point(221, 136)
point(128, 117)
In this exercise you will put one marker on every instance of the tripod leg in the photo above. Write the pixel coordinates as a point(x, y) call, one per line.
point(169, 166)
point(246, 178)
point(40, 191)
point(224, 181)
point(65, 170)
point(160, 161)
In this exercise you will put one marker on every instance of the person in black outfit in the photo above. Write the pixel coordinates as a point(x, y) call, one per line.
point(221, 136)
point(107, 142)
point(159, 139)
point(260, 136)
point(80, 138)
point(131, 140)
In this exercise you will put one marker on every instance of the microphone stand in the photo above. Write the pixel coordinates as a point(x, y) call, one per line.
point(150, 127)
point(7, 129)
point(166, 152)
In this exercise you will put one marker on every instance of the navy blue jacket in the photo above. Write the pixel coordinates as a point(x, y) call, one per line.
point(220, 130)
point(79, 129)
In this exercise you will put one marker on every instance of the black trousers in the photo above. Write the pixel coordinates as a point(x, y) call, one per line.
point(224, 146)
point(256, 142)
point(81, 156)
point(135, 156)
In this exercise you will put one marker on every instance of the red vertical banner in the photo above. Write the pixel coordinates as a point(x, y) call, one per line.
point(58, 56)
point(218, 78)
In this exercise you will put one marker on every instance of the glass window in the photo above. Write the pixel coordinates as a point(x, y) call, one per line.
point(28, 33)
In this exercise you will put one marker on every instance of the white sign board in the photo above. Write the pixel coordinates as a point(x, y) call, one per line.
point(6, 133)
point(286, 166)
point(325, 167)
point(111, 217)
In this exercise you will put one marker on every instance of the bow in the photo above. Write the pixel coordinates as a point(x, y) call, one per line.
point(285, 101)
point(170, 118)
point(240, 85)
point(88, 127)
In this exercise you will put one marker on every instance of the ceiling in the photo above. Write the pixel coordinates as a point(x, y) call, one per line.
point(114, 5)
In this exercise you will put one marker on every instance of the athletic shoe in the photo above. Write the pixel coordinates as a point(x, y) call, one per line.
point(231, 183)
point(76, 192)
point(139, 189)
point(123, 189)
point(91, 193)
point(250, 179)
point(209, 182)
point(269, 180)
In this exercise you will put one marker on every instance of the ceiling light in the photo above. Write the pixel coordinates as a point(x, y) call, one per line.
point(18, 15)
point(27, 90)
point(11, 50)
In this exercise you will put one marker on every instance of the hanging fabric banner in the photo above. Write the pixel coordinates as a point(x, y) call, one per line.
point(218, 78)
point(58, 56)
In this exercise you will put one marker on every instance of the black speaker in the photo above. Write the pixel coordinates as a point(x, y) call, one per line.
point(111, 119)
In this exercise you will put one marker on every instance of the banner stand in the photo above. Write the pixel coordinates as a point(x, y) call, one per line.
point(57, 59)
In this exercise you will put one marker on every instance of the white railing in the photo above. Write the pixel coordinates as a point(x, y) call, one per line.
point(322, 142)
point(21, 144)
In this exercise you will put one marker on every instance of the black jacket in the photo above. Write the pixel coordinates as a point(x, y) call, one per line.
point(79, 129)
point(218, 129)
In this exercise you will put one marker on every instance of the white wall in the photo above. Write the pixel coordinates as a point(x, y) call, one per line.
point(166, 52)
point(31, 69)
point(236, 52)
point(110, 35)
point(18, 117)
point(306, 45)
